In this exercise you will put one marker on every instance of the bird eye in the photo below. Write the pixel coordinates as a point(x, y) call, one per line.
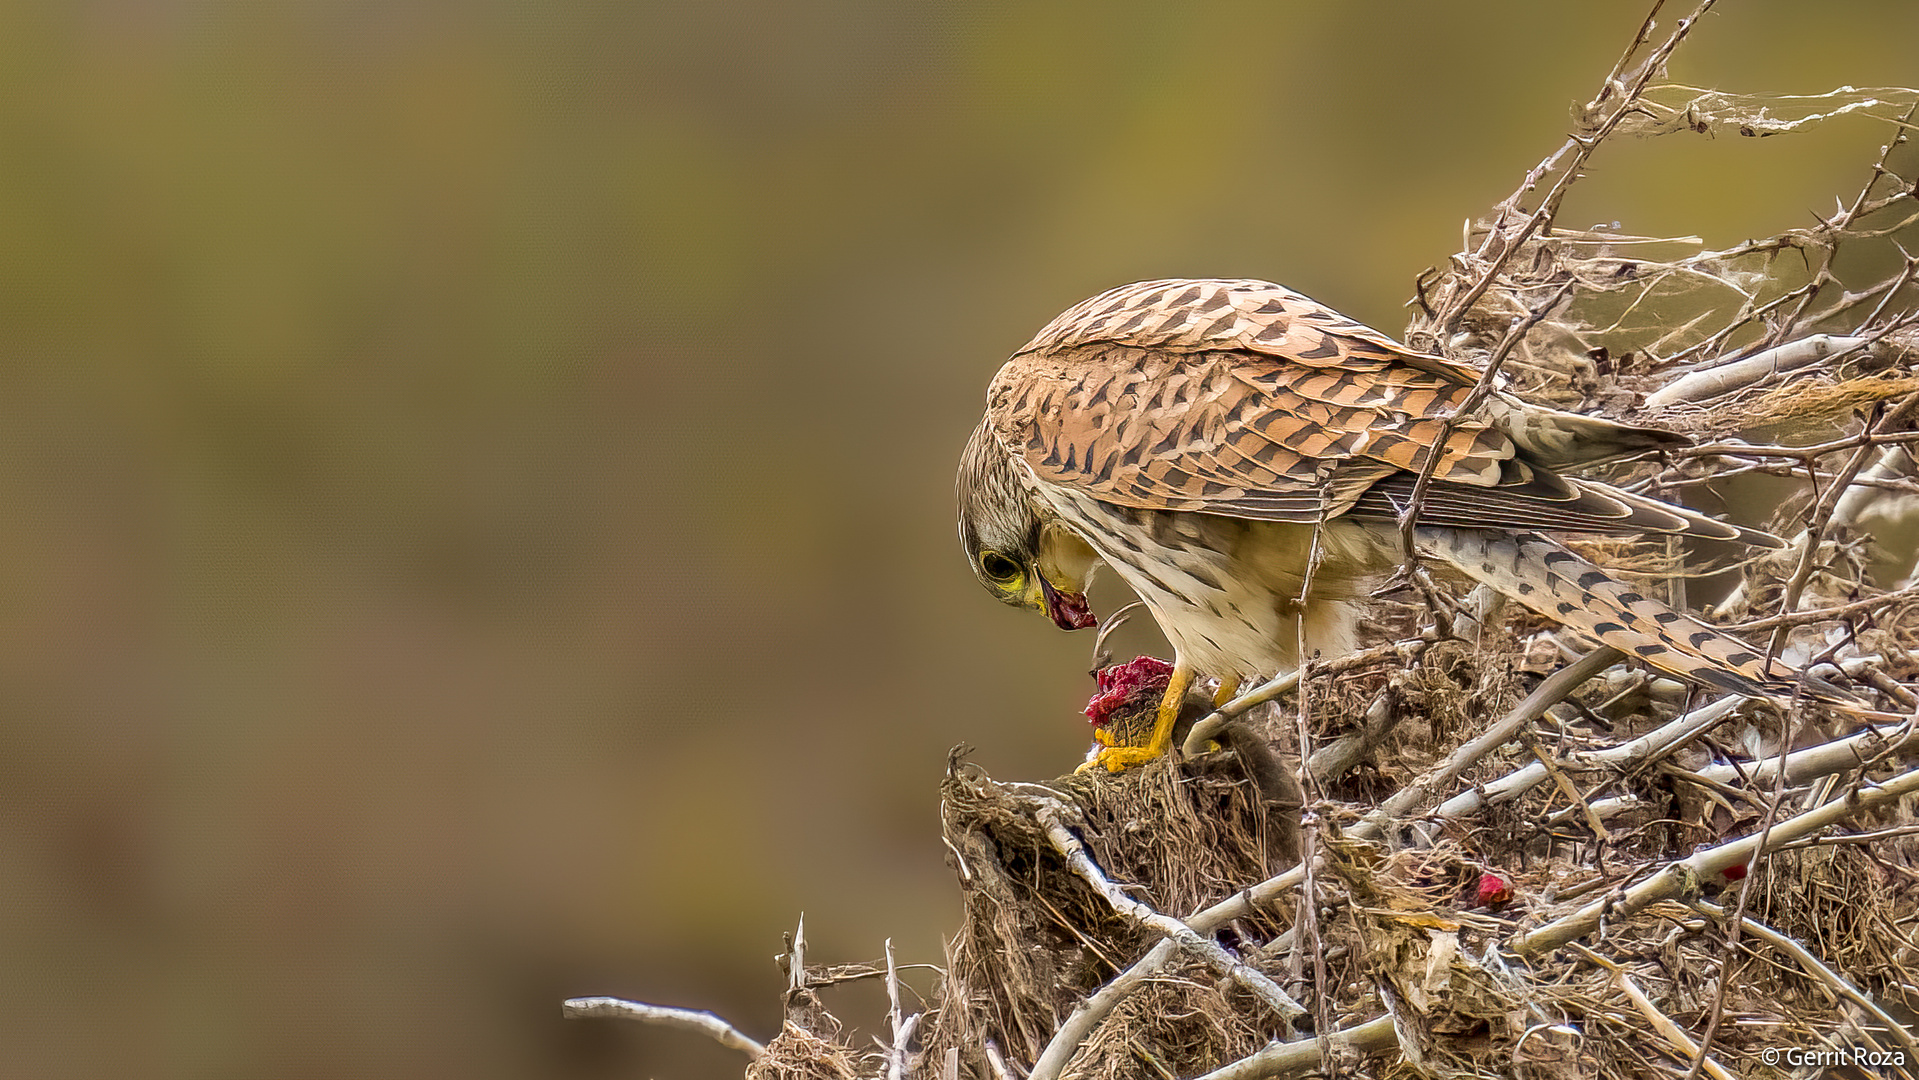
point(998, 568)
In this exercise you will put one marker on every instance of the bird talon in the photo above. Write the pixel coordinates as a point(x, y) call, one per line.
point(1120, 758)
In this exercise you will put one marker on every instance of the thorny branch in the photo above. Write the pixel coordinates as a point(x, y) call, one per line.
point(1617, 100)
point(1409, 518)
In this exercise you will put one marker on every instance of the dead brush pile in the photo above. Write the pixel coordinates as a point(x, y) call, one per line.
point(1510, 853)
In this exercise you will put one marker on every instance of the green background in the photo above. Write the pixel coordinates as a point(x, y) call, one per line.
point(475, 509)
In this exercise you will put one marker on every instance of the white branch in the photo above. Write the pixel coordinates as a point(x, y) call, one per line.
point(1822, 760)
point(1673, 1033)
point(1738, 374)
point(1087, 1015)
point(590, 1008)
point(1623, 756)
point(1144, 914)
point(1302, 1056)
point(993, 1058)
point(902, 1029)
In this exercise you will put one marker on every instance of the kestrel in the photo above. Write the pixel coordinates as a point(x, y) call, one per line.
point(1193, 436)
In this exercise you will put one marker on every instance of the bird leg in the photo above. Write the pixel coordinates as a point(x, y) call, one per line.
point(1118, 758)
point(1228, 686)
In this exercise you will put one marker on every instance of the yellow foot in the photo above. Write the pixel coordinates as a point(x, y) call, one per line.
point(1117, 757)
point(1121, 758)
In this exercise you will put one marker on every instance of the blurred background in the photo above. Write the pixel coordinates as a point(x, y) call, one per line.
point(475, 516)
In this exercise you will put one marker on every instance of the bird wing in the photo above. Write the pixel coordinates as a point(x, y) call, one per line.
point(1246, 399)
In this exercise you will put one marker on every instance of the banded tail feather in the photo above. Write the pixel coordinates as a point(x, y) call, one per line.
point(1553, 581)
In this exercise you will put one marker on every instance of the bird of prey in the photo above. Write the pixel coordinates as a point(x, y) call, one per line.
point(1194, 435)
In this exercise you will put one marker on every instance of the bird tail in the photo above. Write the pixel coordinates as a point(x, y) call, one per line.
point(1546, 577)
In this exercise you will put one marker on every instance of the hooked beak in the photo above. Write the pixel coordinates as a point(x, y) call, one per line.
point(1067, 610)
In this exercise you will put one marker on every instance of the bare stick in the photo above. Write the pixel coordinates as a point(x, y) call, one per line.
point(892, 990)
point(1894, 462)
point(902, 1029)
point(1819, 521)
point(1210, 725)
point(1303, 1056)
point(1852, 838)
point(1409, 515)
point(1306, 913)
point(1738, 374)
point(795, 958)
point(1824, 759)
point(1717, 1012)
point(1603, 809)
point(1303, 715)
point(1818, 970)
point(1340, 755)
point(1663, 1024)
point(1735, 448)
point(994, 1060)
point(1800, 618)
point(1087, 1015)
point(1207, 949)
point(1572, 794)
point(593, 1008)
point(1630, 755)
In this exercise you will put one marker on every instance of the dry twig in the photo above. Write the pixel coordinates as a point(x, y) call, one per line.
point(594, 1008)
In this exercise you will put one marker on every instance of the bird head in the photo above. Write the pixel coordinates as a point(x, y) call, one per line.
point(1022, 557)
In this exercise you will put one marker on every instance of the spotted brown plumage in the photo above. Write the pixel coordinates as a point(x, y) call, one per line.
point(1193, 435)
